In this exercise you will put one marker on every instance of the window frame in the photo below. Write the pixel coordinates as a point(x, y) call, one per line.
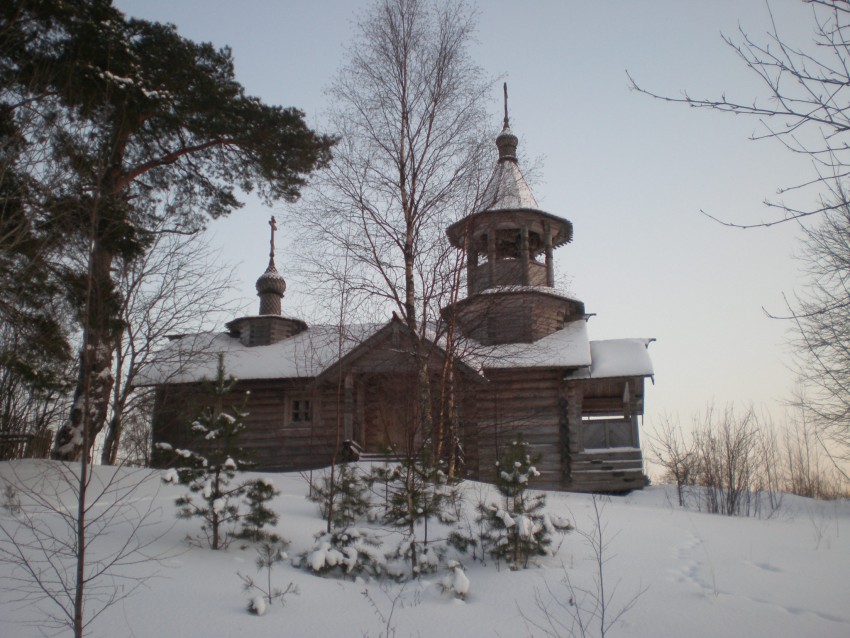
point(299, 410)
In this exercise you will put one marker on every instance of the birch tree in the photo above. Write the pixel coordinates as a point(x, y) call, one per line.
point(801, 104)
point(408, 110)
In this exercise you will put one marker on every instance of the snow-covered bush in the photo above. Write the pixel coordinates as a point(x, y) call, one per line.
point(455, 580)
point(347, 552)
point(342, 495)
point(428, 558)
point(210, 473)
point(517, 528)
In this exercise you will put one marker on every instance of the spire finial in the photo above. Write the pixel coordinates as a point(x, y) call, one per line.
point(273, 224)
point(270, 285)
point(506, 141)
point(505, 87)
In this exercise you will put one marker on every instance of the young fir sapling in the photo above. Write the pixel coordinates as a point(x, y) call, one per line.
point(344, 498)
point(517, 528)
point(416, 492)
point(215, 496)
point(268, 555)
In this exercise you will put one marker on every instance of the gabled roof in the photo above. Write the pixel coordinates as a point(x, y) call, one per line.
point(317, 351)
point(401, 341)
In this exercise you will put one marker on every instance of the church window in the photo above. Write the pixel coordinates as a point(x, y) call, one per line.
point(301, 411)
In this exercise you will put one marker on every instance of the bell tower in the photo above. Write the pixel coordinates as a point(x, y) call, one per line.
point(509, 244)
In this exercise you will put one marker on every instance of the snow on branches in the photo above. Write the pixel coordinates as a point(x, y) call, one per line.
point(215, 496)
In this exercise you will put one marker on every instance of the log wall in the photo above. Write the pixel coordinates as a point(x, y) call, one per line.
point(377, 408)
point(527, 402)
point(272, 439)
point(522, 316)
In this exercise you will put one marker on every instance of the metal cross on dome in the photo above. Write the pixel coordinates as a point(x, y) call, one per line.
point(273, 224)
point(505, 87)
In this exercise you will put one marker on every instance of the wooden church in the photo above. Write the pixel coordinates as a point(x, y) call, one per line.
point(524, 364)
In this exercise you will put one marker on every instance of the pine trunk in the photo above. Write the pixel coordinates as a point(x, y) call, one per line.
point(95, 375)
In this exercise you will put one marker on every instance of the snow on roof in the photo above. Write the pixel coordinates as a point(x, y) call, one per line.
point(570, 347)
point(305, 355)
point(546, 290)
point(507, 189)
point(309, 353)
point(565, 348)
point(618, 358)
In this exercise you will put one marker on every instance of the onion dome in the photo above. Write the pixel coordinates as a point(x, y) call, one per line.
point(271, 284)
point(507, 142)
point(270, 288)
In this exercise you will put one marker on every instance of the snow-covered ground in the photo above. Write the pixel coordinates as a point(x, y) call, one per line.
point(687, 574)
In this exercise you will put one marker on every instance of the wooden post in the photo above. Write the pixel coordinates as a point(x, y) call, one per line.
point(550, 263)
point(491, 257)
point(348, 406)
point(360, 411)
point(634, 412)
point(471, 263)
point(523, 255)
point(574, 396)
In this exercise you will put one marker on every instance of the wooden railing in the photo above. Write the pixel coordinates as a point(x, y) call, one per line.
point(608, 433)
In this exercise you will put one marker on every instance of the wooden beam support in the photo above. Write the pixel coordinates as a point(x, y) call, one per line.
point(348, 407)
point(524, 255)
point(471, 263)
point(491, 256)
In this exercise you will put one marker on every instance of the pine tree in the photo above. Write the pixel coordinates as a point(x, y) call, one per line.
point(259, 515)
point(126, 124)
point(415, 493)
point(35, 353)
point(348, 492)
point(518, 528)
point(210, 472)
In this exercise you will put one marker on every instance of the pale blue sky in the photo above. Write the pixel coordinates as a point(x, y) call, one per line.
point(630, 172)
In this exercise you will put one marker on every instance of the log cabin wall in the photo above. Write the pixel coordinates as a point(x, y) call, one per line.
point(289, 425)
point(514, 317)
point(521, 401)
point(584, 429)
point(383, 410)
point(391, 415)
point(297, 424)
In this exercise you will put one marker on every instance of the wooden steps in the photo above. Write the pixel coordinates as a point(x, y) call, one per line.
point(606, 470)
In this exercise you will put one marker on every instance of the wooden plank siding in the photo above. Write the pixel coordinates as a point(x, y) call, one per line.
point(375, 401)
point(271, 439)
point(527, 402)
point(514, 317)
